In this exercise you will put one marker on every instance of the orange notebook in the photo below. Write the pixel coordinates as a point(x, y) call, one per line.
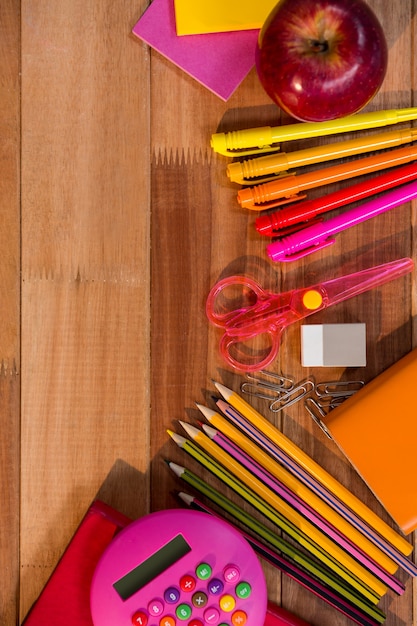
point(377, 430)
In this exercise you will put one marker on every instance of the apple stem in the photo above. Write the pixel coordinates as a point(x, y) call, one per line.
point(318, 46)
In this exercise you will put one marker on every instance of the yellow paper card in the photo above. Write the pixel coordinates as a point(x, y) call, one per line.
point(215, 16)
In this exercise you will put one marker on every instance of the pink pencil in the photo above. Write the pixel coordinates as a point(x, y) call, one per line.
point(282, 457)
point(302, 507)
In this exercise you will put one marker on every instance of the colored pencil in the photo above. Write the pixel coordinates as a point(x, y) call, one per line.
point(273, 450)
point(315, 534)
point(277, 513)
point(292, 554)
point(313, 468)
point(296, 501)
point(299, 576)
point(298, 487)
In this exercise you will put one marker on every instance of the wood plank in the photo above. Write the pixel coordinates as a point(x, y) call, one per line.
point(128, 219)
point(199, 234)
point(85, 269)
point(10, 306)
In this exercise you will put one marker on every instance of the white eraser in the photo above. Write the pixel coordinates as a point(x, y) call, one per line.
point(333, 345)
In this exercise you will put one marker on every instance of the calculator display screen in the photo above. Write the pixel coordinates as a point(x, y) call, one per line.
point(152, 567)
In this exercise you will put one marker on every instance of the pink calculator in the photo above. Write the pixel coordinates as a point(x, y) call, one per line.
point(178, 568)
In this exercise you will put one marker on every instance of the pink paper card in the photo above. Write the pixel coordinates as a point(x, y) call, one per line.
point(219, 61)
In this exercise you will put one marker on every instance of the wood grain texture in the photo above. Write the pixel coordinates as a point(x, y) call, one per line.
point(199, 234)
point(85, 274)
point(116, 220)
point(10, 308)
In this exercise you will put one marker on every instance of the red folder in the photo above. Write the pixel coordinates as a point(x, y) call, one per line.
point(65, 600)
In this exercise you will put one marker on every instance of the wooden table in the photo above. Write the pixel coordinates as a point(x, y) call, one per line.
point(116, 220)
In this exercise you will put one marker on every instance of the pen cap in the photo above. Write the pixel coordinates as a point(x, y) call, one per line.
point(264, 224)
point(287, 219)
point(241, 139)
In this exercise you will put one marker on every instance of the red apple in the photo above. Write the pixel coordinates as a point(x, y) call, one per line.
point(321, 59)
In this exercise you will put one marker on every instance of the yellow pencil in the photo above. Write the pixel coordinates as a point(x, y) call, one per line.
point(274, 516)
point(284, 509)
point(293, 483)
point(306, 462)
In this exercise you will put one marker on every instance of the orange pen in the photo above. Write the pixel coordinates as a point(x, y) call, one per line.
point(291, 188)
point(269, 166)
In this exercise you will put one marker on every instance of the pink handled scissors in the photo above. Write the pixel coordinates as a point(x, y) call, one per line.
point(254, 319)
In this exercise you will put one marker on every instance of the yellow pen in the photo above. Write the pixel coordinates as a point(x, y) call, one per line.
point(264, 139)
point(291, 188)
point(269, 166)
point(319, 473)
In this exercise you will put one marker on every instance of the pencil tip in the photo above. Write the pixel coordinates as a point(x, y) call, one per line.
point(208, 413)
point(210, 431)
point(192, 431)
point(177, 469)
point(179, 440)
point(224, 391)
point(185, 497)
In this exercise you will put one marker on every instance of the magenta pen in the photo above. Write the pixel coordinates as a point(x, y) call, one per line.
point(321, 235)
point(292, 218)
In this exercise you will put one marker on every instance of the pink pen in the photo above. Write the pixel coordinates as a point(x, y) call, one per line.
point(320, 235)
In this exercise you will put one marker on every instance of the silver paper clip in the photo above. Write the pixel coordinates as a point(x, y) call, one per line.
point(332, 394)
point(266, 385)
point(316, 412)
point(293, 395)
point(339, 388)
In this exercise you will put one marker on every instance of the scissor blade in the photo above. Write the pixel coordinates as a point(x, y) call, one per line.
point(351, 285)
point(259, 318)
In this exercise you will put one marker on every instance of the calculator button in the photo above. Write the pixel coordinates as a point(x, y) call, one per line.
point(199, 599)
point(167, 621)
point(215, 586)
point(239, 618)
point(227, 603)
point(231, 574)
point(183, 611)
point(155, 607)
point(211, 615)
point(187, 583)
point(203, 571)
point(243, 590)
point(139, 618)
point(171, 595)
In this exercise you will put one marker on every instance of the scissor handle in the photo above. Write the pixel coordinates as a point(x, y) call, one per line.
point(240, 355)
point(221, 307)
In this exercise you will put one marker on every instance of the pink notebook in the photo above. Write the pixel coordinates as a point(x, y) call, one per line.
point(219, 61)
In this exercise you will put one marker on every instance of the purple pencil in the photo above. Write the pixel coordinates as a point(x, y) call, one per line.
point(302, 507)
point(282, 457)
point(307, 581)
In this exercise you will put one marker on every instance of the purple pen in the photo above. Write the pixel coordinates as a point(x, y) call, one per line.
point(320, 235)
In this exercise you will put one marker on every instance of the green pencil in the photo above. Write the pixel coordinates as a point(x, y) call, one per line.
point(297, 556)
point(250, 496)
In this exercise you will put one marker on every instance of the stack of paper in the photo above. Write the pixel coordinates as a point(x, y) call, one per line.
point(218, 16)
